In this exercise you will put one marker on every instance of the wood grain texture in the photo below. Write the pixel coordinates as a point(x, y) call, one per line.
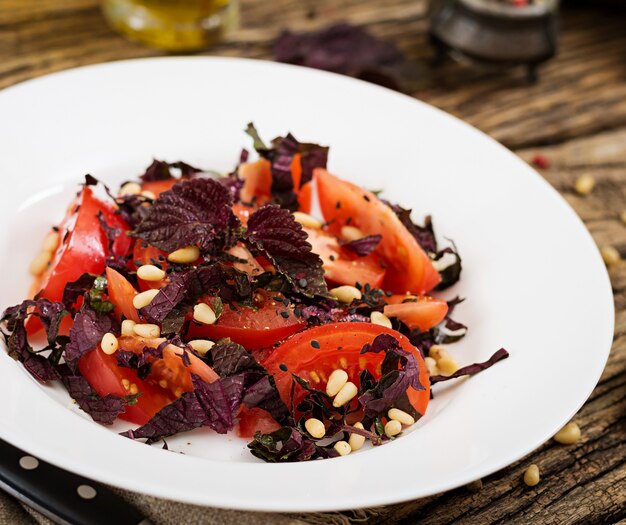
point(575, 116)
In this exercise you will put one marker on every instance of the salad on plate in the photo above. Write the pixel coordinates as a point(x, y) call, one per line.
point(278, 301)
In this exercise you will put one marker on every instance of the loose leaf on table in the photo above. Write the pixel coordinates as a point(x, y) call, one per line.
point(275, 234)
point(195, 212)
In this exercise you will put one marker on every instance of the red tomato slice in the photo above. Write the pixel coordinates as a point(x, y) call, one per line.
point(341, 267)
point(121, 293)
point(410, 269)
point(253, 328)
point(105, 377)
point(417, 312)
point(339, 347)
point(159, 186)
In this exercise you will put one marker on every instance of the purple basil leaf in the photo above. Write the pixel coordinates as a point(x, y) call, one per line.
point(19, 348)
point(287, 444)
point(75, 289)
point(209, 404)
point(86, 332)
point(110, 232)
point(234, 184)
point(157, 171)
point(131, 208)
point(49, 312)
point(451, 272)
point(275, 234)
point(424, 235)
point(394, 381)
point(363, 246)
point(186, 170)
point(282, 180)
point(194, 212)
point(311, 156)
point(101, 409)
point(474, 368)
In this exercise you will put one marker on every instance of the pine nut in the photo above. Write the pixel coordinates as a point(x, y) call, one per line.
point(148, 194)
point(40, 263)
point(128, 326)
point(568, 435)
point(345, 395)
point(51, 242)
point(622, 216)
point(400, 415)
point(307, 220)
point(149, 331)
point(531, 476)
point(130, 188)
point(342, 448)
point(143, 299)
point(356, 441)
point(431, 365)
point(163, 383)
point(380, 319)
point(350, 233)
point(392, 428)
point(346, 294)
point(315, 427)
point(184, 255)
point(584, 184)
point(610, 255)
point(109, 343)
point(447, 366)
point(126, 384)
point(133, 389)
point(149, 272)
point(437, 352)
point(204, 314)
point(202, 346)
point(336, 380)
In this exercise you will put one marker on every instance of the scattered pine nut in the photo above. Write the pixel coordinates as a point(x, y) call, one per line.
point(447, 365)
point(133, 389)
point(109, 343)
point(130, 188)
point(437, 352)
point(622, 216)
point(204, 314)
point(149, 272)
point(315, 427)
point(584, 184)
point(163, 383)
point(40, 263)
point(393, 428)
point(143, 299)
point(51, 242)
point(345, 395)
point(149, 331)
point(127, 327)
point(431, 364)
point(342, 448)
point(308, 221)
point(401, 416)
point(126, 384)
point(202, 346)
point(356, 441)
point(380, 319)
point(346, 294)
point(336, 380)
point(148, 194)
point(350, 233)
point(531, 475)
point(568, 435)
point(610, 255)
point(475, 486)
point(184, 255)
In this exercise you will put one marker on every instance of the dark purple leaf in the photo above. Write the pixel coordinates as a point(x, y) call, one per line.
point(274, 233)
point(424, 235)
point(350, 50)
point(399, 372)
point(110, 232)
point(86, 332)
point(287, 444)
point(363, 246)
point(474, 368)
point(101, 409)
point(157, 171)
point(49, 312)
point(311, 156)
point(195, 212)
point(451, 272)
point(19, 348)
point(186, 170)
point(75, 289)
point(132, 208)
point(234, 184)
point(208, 404)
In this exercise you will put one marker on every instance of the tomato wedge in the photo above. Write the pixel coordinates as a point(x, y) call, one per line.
point(410, 269)
point(339, 347)
point(121, 293)
point(254, 328)
point(417, 312)
point(340, 266)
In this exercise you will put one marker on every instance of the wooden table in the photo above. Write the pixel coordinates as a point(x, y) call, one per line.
point(575, 116)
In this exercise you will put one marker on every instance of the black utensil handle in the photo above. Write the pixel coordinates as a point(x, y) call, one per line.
point(60, 495)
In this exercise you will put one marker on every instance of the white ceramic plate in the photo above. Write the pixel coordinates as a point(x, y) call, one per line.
point(533, 278)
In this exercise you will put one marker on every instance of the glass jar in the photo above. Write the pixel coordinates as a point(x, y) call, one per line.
point(172, 25)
